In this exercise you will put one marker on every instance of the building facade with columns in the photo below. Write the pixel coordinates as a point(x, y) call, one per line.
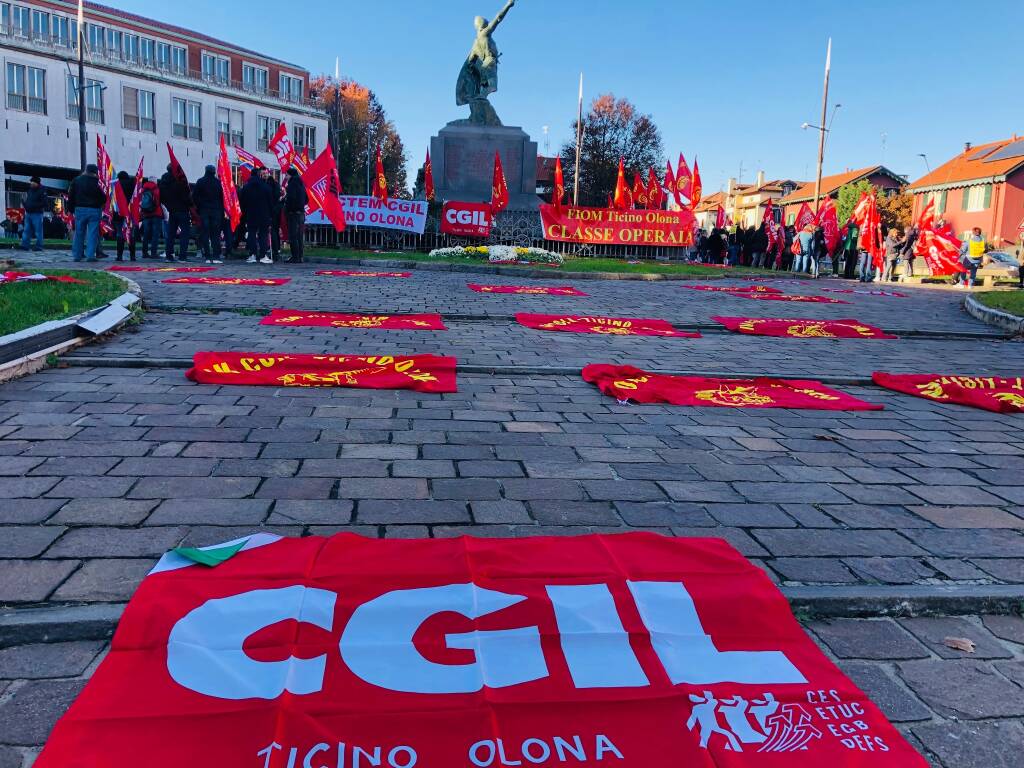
point(147, 84)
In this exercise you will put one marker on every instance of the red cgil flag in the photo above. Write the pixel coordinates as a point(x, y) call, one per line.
point(133, 217)
point(324, 187)
point(655, 194)
point(927, 217)
point(696, 188)
point(227, 186)
point(499, 188)
point(559, 192)
point(621, 199)
point(804, 217)
point(380, 183)
point(684, 181)
point(428, 178)
point(640, 199)
point(282, 148)
point(670, 183)
point(828, 220)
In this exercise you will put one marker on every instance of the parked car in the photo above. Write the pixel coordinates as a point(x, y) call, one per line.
point(999, 266)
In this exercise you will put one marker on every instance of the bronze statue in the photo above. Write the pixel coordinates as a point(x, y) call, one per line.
point(479, 75)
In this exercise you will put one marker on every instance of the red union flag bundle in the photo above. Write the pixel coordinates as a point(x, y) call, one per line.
point(637, 651)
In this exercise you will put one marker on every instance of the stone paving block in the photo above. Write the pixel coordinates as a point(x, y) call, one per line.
point(101, 580)
point(803, 543)
point(503, 511)
point(1005, 627)
point(813, 570)
point(933, 630)
point(958, 570)
point(700, 491)
point(209, 535)
point(41, 661)
point(380, 488)
point(662, 513)
point(311, 512)
point(972, 543)
point(9, 756)
point(735, 536)
point(809, 516)
point(956, 495)
point(321, 450)
point(874, 516)
point(1004, 569)
point(298, 488)
point(889, 570)
point(569, 470)
point(809, 493)
point(344, 468)
point(532, 489)
point(663, 471)
point(731, 472)
point(865, 639)
point(27, 511)
point(16, 466)
point(574, 513)
point(426, 468)
point(750, 515)
point(623, 490)
point(25, 487)
point(28, 715)
point(468, 489)
point(23, 541)
point(257, 468)
point(92, 487)
point(964, 689)
point(897, 703)
point(66, 448)
point(997, 744)
point(968, 517)
point(116, 542)
point(31, 581)
point(387, 452)
point(210, 511)
point(405, 512)
point(406, 532)
point(104, 512)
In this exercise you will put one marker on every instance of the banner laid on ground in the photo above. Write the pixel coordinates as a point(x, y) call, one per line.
point(607, 226)
point(362, 211)
point(786, 297)
point(728, 289)
point(358, 273)
point(806, 328)
point(990, 393)
point(605, 326)
point(29, 277)
point(527, 290)
point(228, 280)
point(118, 268)
point(625, 383)
point(423, 373)
point(638, 651)
point(302, 319)
point(466, 219)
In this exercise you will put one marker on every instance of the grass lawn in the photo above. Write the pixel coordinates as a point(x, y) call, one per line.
point(1007, 301)
point(584, 264)
point(47, 243)
point(25, 304)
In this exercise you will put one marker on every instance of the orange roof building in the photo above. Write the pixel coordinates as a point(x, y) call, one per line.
point(982, 187)
point(878, 175)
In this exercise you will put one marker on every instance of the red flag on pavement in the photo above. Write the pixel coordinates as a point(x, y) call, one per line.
point(640, 199)
point(622, 195)
point(380, 181)
point(655, 194)
point(696, 188)
point(227, 186)
point(428, 179)
point(990, 393)
point(499, 187)
point(559, 192)
point(324, 187)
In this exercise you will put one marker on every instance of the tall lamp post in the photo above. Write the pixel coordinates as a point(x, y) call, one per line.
point(81, 84)
point(823, 130)
point(924, 157)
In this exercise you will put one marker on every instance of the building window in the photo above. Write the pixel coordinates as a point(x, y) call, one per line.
point(179, 59)
point(255, 78)
point(26, 88)
point(790, 219)
point(60, 31)
point(115, 40)
point(304, 137)
point(19, 21)
point(266, 127)
point(187, 117)
point(977, 198)
point(147, 48)
point(939, 201)
point(229, 127)
point(97, 37)
point(93, 100)
point(163, 56)
point(138, 110)
point(216, 68)
point(291, 88)
point(130, 48)
point(40, 25)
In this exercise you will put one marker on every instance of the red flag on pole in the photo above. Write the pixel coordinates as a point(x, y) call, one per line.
point(670, 183)
point(499, 188)
point(655, 195)
point(696, 188)
point(282, 148)
point(324, 187)
point(380, 182)
point(720, 218)
point(640, 199)
point(428, 178)
point(559, 191)
point(621, 188)
point(135, 204)
point(684, 180)
point(227, 185)
point(105, 169)
point(828, 220)
point(804, 217)
point(927, 217)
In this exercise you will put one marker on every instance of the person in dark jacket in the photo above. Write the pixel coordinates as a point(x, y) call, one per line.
point(86, 199)
point(257, 207)
point(152, 213)
point(176, 197)
point(117, 220)
point(850, 250)
point(910, 235)
point(295, 200)
point(277, 196)
point(209, 200)
point(35, 203)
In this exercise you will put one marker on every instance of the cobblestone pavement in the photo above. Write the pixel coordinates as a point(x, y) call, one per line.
point(102, 469)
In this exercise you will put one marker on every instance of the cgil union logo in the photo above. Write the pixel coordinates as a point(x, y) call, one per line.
point(466, 219)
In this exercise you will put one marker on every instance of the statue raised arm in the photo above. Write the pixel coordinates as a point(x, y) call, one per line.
point(479, 75)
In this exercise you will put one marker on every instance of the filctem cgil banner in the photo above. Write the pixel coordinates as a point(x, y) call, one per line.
point(363, 211)
point(607, 226)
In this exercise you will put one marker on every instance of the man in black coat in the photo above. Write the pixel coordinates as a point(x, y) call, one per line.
point(910, 235)
point(176, 197)
point(295, 201)
point(257, 207)
point(127, 183)
point(209, 200)
point(86, 199)
point(35, 203)
point(277, 197)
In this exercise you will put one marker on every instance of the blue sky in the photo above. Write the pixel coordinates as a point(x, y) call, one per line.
point(728, 81)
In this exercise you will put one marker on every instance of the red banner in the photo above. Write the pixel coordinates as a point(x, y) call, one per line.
point(301, 318)
point(728, 289)
point(605, 326)
point(424, 373)
point(28, 277)
point(624, 382)
point(466, 219)
point(228, 281)
point(990, 393)
point(118, 268)
point(783, 297)
point(637, 651)
point(527, 290)
point(803, 328)
point(606, 226)
point(358, 273)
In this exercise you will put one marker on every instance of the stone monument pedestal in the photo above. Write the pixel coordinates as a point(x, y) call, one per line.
point(462, 155)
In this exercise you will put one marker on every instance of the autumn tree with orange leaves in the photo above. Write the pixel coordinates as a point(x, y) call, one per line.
point(358, 113)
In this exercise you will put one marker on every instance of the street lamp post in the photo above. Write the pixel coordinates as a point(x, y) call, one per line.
point(924, 157)
point(824, 115)
point(81, 84)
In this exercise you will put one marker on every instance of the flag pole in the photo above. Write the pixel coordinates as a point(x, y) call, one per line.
point(824, 116)
point(579, 142)
point(81, 85)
